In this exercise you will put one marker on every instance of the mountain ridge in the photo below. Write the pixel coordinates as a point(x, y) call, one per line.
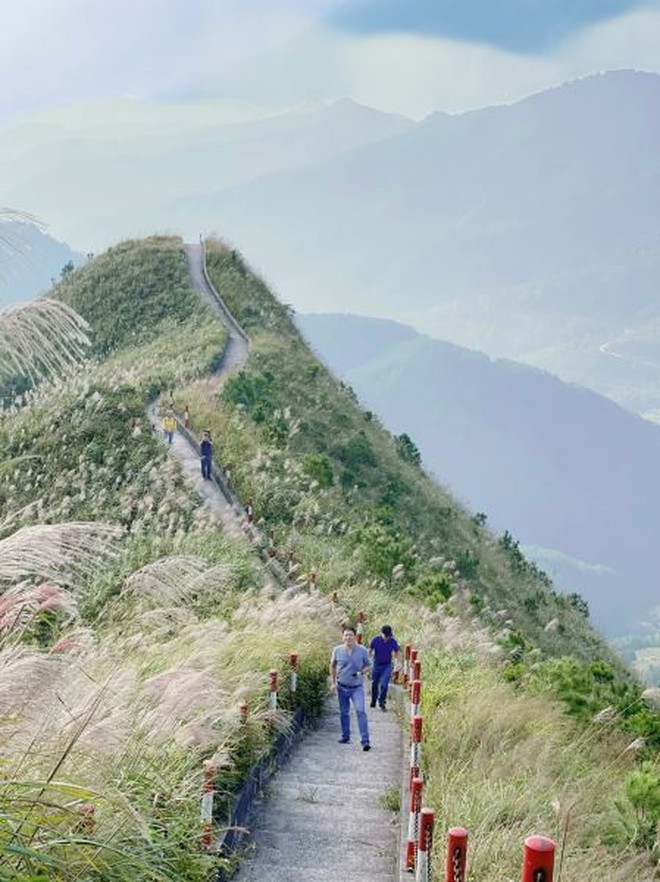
point(538, 455)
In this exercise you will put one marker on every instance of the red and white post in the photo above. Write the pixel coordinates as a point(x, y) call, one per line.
point(415, 698)
point(538, 859)
point(416, 669)
point(414, 653)
point(406, 664)
point(415, 748)
point(425, 845)
point(208, 790)
point(456, 854)
point(413, 824)
point(272, 687)
point(243, 712)
point(294, 663)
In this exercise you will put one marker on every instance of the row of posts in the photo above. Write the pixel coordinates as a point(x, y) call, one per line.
point(538, 851)
point(209, 769)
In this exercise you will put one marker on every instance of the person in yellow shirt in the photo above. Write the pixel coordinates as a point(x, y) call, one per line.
point(169, 426)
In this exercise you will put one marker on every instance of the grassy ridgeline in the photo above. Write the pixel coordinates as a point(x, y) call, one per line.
point(161, 643)
point(121, 676)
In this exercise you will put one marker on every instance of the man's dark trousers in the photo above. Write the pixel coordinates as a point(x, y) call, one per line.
point(380, 681)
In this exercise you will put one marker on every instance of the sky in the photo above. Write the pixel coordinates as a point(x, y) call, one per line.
point(406, 56)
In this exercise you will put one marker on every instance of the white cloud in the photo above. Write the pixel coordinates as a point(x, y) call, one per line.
point(416, 75)
point(278, 54)
point(59, 51)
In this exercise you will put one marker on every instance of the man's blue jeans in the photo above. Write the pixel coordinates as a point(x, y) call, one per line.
point(346, 694)
point(206, 466)
point(380, 681)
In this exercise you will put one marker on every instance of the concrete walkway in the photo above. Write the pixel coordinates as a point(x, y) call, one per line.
point(324, 819)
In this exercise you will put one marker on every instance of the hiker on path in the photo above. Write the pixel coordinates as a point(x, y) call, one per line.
point(348, 665)
point(169, 426)
point(381, 650)
point(206, 454)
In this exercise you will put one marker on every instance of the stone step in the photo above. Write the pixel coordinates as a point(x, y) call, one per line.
point(310, 854)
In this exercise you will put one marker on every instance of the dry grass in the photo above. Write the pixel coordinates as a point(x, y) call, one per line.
point(44, 338)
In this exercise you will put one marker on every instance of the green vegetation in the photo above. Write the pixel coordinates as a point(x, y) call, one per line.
point(120, 677)
point(132, 675)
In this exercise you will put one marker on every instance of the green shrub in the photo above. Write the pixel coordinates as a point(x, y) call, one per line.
point(319, 467)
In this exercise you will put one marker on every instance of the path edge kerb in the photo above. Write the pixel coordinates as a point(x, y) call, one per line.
point(231, 321)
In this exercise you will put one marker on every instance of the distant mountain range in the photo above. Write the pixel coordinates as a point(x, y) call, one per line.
point(29, 261)
point(112, 170)
point(570, 474)
point(528, 231)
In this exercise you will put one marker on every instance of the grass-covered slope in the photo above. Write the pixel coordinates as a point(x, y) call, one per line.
point(529, 713)
point(114, 693)
point(122, 665)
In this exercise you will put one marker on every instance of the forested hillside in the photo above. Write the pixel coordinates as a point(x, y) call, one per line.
point(114, 692)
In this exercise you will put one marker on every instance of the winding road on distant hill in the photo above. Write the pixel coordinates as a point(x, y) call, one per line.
point(325, 817)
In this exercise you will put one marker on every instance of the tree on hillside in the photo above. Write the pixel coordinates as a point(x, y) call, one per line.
point(407, 449)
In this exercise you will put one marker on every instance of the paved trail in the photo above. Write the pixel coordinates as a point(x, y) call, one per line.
point(324, 819)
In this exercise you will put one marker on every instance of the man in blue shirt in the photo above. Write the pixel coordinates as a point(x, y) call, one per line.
point(348, 665)
point(206, 454)
point(381, 649)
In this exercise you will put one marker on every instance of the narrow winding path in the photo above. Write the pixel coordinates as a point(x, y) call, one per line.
point(324, 818)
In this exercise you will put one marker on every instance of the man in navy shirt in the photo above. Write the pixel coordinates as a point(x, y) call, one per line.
point(206, 454)
point(348, 665)
point(381, 649)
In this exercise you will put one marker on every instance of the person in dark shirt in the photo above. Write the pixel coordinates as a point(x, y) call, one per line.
point(381, 650)
point(206, 454)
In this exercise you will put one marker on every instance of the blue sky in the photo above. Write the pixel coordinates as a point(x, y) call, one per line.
point(405, 56)
point(518, 25)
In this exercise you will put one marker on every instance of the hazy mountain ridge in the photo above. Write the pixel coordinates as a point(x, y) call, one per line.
point(528, 231)
point(140, 166)
point(559, 466)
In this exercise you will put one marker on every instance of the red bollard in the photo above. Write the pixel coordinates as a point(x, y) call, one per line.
point(272, 686)
point(243, 712)
point(538, 859)
point(414, 653)
point(415, 748)
point(406, 664)
point(294, 660)
point(413, 824)
point(208, 789)
point(417, 669)
point(424, 845)
point(415, 697)
point(456, 854)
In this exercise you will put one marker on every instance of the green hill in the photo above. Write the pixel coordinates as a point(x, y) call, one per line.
point(130, 677)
